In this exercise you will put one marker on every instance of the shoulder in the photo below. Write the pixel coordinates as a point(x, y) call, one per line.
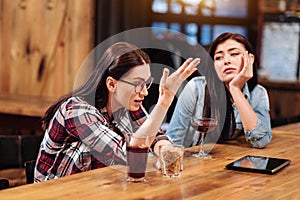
point(77, 103)
point(259, 95)
point(198, 80)
point(197, 83)
point(193, 90)
point(259, 89)
point(77, 106)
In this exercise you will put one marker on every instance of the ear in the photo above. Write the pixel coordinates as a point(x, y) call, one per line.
point(111, 84)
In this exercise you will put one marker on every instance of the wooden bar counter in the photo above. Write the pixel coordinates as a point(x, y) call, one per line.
point(200, 179)
point(22, 111)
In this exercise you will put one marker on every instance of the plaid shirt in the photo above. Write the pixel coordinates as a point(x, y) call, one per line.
point(81, 138)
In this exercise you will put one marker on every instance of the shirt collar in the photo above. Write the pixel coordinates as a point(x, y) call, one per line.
point(246, 91)
point(116, 115)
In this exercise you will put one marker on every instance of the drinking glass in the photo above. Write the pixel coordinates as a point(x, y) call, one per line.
point(137, 148)
point(202, 126)
point(171, 160)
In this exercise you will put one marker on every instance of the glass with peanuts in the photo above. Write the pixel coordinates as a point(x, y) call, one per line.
point(171, 160)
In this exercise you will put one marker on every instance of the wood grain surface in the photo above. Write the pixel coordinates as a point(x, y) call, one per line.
point(24, 105)
point(200, 179)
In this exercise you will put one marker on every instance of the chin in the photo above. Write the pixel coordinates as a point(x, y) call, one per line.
point(228, 79)
point(133, 108)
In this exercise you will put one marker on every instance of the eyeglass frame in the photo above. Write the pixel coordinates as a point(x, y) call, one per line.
point(142, 84)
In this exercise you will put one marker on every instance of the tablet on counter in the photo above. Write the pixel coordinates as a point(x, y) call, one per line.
point(259, 164)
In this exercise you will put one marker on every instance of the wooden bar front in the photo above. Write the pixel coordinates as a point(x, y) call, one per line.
point(200, 179)
point(23, 111)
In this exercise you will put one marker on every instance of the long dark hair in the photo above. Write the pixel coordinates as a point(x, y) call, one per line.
point(215, 89)
point(240, 39)
point(116, 61)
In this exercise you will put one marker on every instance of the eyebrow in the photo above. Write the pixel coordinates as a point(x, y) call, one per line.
point(231, 49)
point(140, 78)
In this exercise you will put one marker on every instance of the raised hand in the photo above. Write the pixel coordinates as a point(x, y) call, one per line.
point(170, 84)
point(245, 74)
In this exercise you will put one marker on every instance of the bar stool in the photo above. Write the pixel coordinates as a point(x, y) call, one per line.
point(4, 183)
point(29, 171)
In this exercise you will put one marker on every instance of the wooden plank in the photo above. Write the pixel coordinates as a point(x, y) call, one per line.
point(33, 106)
point(43, 45)
point(1, 27)
point(279, 92)
point(81, 36)
point(200, 178)
point(6, 7)
point(293, 128)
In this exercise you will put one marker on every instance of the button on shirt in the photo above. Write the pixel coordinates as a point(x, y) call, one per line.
point(191, 102)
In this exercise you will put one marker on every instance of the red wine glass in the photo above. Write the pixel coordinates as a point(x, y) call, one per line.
point(202, 126)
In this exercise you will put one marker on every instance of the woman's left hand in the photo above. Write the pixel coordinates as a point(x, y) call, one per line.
point(245, 74)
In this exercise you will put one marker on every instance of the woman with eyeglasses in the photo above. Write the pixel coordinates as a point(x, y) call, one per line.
point(86, 129)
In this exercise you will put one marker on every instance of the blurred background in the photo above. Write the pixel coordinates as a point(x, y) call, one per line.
point(44, 42)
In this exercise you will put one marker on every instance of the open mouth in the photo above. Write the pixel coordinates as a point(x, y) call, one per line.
point(138, 101)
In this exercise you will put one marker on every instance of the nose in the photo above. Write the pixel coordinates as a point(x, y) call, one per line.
point(226, 59)
point(144, 91)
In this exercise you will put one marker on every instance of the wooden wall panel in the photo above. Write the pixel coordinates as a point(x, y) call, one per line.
point(5, 45)
point(284, 101)
point(0, 45)
point(43, 43)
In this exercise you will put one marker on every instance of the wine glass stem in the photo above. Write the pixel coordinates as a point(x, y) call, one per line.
point(201, 152)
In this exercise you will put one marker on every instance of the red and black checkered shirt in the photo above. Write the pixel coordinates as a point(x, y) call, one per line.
point(81, 138)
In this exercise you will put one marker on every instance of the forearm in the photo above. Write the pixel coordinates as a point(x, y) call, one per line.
point(152, 124)
point(167, 90)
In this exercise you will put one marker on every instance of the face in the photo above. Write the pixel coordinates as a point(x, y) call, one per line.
point(228, 59)
point(125, 94)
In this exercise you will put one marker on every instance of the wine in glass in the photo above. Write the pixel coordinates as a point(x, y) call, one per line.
point(203, 125)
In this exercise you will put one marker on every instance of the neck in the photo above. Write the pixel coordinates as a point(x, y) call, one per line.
point(112, 106)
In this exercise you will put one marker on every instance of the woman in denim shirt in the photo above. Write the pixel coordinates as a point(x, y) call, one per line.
point(234, 98)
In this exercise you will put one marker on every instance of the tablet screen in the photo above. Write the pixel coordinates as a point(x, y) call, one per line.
point(258, 164)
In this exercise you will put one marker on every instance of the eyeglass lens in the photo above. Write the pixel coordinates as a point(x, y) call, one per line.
point(142, 85)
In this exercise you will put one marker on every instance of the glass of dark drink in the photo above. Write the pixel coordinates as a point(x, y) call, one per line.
point(203, 125)
point(137, 149)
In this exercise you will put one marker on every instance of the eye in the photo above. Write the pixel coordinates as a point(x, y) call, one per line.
point(218, 57)
point(141, 84)
point(235, 54)
point(137, 83)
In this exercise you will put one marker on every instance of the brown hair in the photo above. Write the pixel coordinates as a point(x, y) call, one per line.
point(116, 61)
point(240, 39)
point(218, 92)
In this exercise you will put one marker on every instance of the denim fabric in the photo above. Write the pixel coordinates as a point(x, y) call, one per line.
point(192, 96)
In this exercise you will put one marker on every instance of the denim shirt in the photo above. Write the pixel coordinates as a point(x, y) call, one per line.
point(181, 132)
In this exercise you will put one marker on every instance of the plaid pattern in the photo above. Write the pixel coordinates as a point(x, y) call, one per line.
point(81, 138)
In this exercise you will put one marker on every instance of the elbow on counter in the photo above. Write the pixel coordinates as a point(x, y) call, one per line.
point(261, 140)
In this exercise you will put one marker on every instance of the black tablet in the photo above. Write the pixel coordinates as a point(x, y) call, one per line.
point(258, 164)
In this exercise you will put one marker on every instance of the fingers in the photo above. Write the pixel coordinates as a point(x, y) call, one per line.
point(163, 80)
point(164, 76)
point(172, 82)
point(248, 62)
point(188, 67)
point(166, 73)
point(185, 65)
point(248, 59)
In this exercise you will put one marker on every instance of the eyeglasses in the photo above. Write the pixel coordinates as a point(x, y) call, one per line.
point(140, 86)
